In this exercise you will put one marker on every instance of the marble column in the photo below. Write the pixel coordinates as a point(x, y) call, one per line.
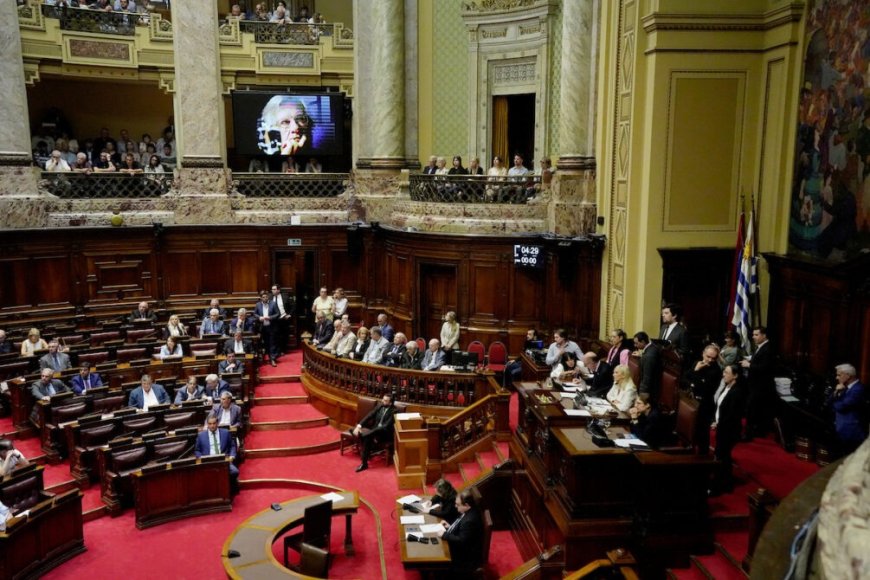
point(572, 209)
point(382, 80)
point(17, 177)
point(199, 108)
point(578, 82)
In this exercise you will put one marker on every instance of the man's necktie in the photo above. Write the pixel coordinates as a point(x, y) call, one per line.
point(216, 448)
point(453, 525)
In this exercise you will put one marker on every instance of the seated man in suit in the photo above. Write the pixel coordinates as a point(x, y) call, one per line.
point(434, 357)
point(413, 358)
point(85, 380)
point(55, 360)
point(849, 402)
point(702, 379)
point(375, 427)
point(190, 392)
point(336, 336)
point(238, 344)
point(393, 355)
point(214, 386)
point(647, 424)
point(231, 365)
point(323, 331)
point(10, 458)
point(343, 341)
point(44, 389)
point(227, 413)
point(241, 322)
point(148, 394)
point(143, 313)
point(600, 375)
point(378, 345)
point(464, 536)
point(213, 324)
point(214, 304)
point(214, 441)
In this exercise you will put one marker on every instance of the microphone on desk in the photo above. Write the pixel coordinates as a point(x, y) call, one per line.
point(233, 554)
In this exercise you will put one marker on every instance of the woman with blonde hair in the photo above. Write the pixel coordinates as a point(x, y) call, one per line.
point(174, 327)
point(362, 344)
point(623, 392)
point(32, 343)
point(449, 332)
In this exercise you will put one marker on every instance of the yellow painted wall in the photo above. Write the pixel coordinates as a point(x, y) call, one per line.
point(90, 104)
point(337, 11)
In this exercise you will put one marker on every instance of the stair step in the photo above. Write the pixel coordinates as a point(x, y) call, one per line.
point(290, 451)
point(280, 400)
point(284, 378)
point(316, 439)
point(280, 390)
point(289, 424)
point(734, 562)
point(735, 542)
point(470, 471)
point(503, 449)
point(455, 478)
point(690, 573)
point(695, 562)
point(293, 412)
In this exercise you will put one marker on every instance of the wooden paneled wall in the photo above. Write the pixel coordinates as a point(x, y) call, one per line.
point(414, 277)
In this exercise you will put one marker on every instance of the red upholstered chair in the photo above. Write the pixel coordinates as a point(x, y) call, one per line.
point(477, 346)
point(421, 343)
point(497, 357)
point(128, 354)
point(140, 333)
point(94, 358)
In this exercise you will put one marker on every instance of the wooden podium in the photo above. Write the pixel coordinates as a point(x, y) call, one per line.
point(412, 450)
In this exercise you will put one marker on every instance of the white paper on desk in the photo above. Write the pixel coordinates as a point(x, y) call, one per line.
point(597, 401)
point(412, 520)
point(630, 443)
point(789, 398)
point(568, 389)
point(407, 416)
point(408, 499)
point(332, 496)
point(577, 413)
point(431, 528)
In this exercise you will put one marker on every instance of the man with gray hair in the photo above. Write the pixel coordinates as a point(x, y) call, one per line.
point(393, 355)
point(433, 360)
point(345, 342)
point(213, 324)
point(849, 403)
point(147, 394)
point(377, 347)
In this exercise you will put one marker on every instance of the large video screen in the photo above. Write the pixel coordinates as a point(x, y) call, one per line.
point(269, 123)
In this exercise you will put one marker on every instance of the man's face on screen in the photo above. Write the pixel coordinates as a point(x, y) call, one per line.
point(293, 123)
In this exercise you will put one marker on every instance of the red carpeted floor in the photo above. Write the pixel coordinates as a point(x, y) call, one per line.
point(269, 413)
point(281, 390)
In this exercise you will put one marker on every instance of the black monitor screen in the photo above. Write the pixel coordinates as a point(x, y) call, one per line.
point(268, 123)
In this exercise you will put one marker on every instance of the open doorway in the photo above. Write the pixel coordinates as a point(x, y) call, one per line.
point(513, 127)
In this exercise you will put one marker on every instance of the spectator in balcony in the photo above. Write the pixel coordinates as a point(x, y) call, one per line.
point(89, 150)
point(170, 349)
point(384, 324)
point(130, 147)
point(125, 6)
point(432, 167)
point(56, 163)
point(450, 332)
point(457, 168)
point(280, 15)
point(324, 304)
point(104, 163)
point(413, 358)
point(146, 140)
point(474, 167)
point(261, 14)
point(434, 357)
point(42, 137)
point(154, 165)
point(41, 155)
point(168, 160)
point(339, 303)
point(62, 145)
point(441, 167)
point(100, 143)
point(235, 12)
point(346, 340)
point(495, 173)
point(168, 138)
point(323, 330)
point(518, 169)
point(257, 165)
point(124, 136)
point(289, 165)
point(284, 126)
point(394, 354)
point(130, 165)
point(82, 163)
point(377, 347)
point(313, 166)
point(114, 156)
point(303, 16)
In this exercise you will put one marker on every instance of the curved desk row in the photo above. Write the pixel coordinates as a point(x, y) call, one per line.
point(253, 539)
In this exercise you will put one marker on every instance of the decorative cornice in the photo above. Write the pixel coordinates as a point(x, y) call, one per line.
point(15, 160)
point(197, 162)
point(576, 163)
point(497, 5)
point(759, 22)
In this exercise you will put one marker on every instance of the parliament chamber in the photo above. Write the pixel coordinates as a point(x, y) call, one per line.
point(443, 169)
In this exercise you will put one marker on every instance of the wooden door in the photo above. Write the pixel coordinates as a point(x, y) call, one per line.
point(438, 295)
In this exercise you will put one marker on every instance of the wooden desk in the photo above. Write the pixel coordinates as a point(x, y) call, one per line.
point(531, 370)
point(423, 557)
point(253, 539)
point(180, 489)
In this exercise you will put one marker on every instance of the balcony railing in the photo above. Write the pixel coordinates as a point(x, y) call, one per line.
point(296, 33)
point(473, 188)
point(107, 185)
point(290, 184)
point(95, 21)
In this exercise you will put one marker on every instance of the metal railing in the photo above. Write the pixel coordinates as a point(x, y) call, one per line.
point(107, 185)
point(473, 188)
point(290, 184)
point(295, 33)
point(95, 21)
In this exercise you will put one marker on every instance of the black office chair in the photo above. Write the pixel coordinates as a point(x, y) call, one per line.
point(315, 562)
point(316, 531)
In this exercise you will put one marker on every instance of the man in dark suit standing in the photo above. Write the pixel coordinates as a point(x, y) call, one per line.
point(600, 377)
point(849, 402)
point(285, 306)
point(214, 441)
point(762, 390)
point(266, 312)
point(85, 380)
point(673, 330)
point(465, 537)
point(650, 366)
point(376, 426)
point(726, 420)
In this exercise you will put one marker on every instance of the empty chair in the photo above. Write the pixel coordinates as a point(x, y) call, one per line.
point(128, 354)
point(100, 338)
point(314, 561)
point(316, 530)
point(477, 346)
point(94, 358)
point(497, 357)
point(136, 335)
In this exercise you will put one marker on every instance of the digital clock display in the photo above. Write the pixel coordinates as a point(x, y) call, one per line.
point(528, 256)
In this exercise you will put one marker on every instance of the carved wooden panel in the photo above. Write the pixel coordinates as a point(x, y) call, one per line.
point(488, 296)
point(14, 283)
point(243, 267)
point(214, 270)
point(181, 274)
point(438, 295)
point(117, 276)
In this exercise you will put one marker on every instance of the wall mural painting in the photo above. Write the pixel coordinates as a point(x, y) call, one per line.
point(830, 204)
